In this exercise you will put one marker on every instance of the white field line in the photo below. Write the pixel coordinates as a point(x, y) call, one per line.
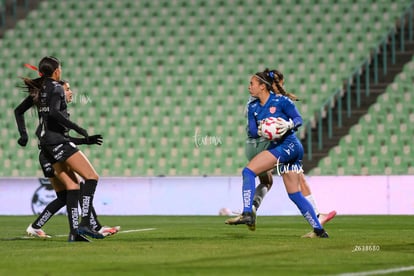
point(120, 232)
point(379, 272)
point(136, 230)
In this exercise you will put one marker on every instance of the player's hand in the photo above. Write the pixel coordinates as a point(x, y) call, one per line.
point(22, 141)
point(94, 139)
point(284, 126)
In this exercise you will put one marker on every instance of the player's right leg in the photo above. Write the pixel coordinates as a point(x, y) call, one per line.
point(252, 148)
point(81, 165)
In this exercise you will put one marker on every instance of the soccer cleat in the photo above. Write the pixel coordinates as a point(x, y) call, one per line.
point(324, 218)
point(77, 238)
point(313, 234)
point(109, 231)
point(36, 232)
point(233, 221)
point(245, 218)
point(85, 230)
point(310, 235)
point(252, 226)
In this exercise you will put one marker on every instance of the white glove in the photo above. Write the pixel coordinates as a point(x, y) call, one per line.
point(259, 128)
point(284, 126)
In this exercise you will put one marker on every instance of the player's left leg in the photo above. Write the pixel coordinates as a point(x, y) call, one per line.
point(35, 228)
point(307, 193)
point(291, 180)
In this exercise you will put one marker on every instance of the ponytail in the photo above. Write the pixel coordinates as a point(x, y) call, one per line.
point(33, 87)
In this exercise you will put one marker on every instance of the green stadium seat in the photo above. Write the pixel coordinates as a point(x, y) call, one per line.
point(142, 63)
point(383, 135)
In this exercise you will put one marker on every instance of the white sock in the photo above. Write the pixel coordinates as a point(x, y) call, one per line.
point(312, 202)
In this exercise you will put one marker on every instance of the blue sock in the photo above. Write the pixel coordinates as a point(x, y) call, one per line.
point(249, 186)
point(306, 209)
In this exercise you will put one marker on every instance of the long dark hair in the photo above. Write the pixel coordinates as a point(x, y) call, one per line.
point(276, 77)
point(33, 87)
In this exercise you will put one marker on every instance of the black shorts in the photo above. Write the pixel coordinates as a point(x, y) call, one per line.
point(59, 152)
point(46, 165)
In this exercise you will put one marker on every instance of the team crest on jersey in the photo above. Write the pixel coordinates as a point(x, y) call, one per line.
point(272, 109)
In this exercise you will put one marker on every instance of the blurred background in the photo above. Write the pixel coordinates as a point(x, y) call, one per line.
point(165, 82)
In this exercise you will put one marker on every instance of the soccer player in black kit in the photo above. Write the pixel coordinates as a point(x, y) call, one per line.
point(34, 229)
point(59, 150)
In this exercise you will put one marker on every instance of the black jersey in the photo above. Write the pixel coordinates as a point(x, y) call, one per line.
point(19, 114)
point(25, 105)
point(54, 120)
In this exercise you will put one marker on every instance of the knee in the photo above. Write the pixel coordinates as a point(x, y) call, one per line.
point(92, 175)
point(95, 176)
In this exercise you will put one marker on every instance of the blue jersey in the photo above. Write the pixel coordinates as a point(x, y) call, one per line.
point(276, 106)
point(288, 150)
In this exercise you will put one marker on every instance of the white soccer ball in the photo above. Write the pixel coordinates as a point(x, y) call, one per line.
point(224, 212)
point(269, 129)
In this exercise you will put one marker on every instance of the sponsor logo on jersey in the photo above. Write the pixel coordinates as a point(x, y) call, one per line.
point(44, 109)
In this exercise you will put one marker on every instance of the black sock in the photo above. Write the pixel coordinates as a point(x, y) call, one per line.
point(95, 225)
point(86, 199)
point(72, 201)
point(93, 221)
point(50, 210)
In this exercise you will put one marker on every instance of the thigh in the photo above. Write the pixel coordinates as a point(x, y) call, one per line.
point(252, 148)
point(65, 176)
point(81, 165)
point(262, 162)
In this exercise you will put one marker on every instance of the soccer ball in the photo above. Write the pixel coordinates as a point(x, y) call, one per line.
point(224, 212)
point(269, 129)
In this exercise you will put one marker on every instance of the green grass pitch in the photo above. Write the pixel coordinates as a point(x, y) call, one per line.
point(204, 245)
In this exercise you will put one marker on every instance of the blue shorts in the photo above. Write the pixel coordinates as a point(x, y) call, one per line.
point(289, 154)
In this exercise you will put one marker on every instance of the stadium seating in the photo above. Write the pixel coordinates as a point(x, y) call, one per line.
point(381, 143)
point(148, 74)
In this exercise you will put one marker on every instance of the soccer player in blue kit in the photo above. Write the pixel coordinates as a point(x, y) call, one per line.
point(286, 152)
point(254, 146)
